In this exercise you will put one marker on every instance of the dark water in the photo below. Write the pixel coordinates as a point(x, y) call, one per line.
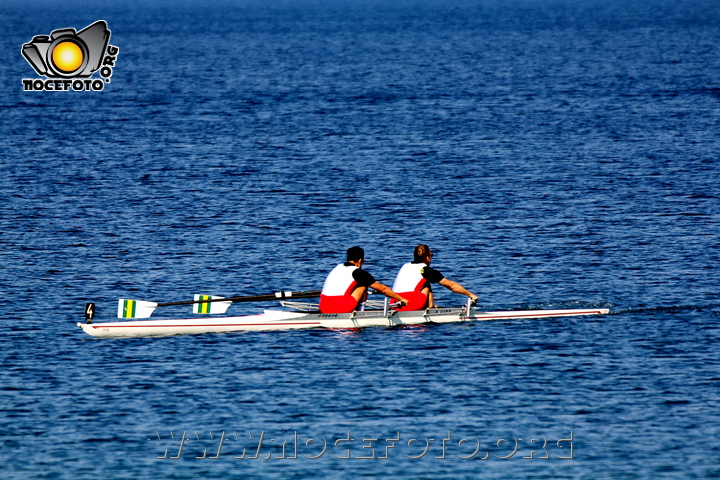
point(552, 153)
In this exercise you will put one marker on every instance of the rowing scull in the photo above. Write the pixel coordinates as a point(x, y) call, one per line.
point(285, 320)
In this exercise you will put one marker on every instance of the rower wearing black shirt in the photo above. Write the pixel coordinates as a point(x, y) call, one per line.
point(414, 281)
point(347, 285)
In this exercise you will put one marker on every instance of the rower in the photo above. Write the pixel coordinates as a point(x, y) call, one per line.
point(414, 281)
point(347, 285)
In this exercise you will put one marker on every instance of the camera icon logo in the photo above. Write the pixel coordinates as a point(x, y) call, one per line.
point(66, 53)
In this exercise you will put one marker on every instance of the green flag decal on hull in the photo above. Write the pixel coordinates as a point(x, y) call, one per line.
point(135, 308)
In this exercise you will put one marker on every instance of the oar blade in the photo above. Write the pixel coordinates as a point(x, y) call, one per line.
point(210, 307)
point(135, 308)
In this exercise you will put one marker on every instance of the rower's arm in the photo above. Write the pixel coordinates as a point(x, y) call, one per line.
point(457, 288)
point(387, 291)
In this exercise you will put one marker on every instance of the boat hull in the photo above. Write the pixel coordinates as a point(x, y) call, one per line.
point(284, 320)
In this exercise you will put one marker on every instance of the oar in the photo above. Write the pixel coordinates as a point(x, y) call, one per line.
point(141, 309)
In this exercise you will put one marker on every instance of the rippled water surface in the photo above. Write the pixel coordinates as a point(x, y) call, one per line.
point(554, 154)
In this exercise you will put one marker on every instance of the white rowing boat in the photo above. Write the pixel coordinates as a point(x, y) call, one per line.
point(288, 320)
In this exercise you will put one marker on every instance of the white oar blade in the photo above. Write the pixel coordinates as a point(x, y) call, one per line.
point(212, 307)
point(135, 308)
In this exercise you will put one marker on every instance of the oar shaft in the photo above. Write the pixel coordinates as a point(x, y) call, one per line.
point(252, 298)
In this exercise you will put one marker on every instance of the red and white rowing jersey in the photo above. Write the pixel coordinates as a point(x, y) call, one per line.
point(409, 283)
point(340, 281)
point(410, 278)
point(336, 293)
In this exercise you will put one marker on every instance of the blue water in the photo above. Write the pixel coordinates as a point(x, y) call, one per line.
point(553, 153)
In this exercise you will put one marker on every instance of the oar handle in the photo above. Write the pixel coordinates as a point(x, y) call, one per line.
point(249, 298)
